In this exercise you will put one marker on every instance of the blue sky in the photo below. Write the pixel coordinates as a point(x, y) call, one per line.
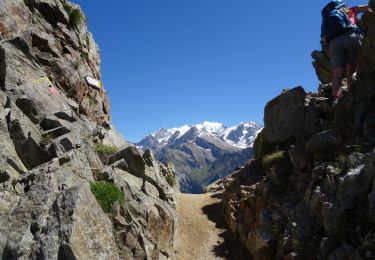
point(166, 63)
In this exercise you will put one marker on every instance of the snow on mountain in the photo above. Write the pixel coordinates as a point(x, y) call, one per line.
point(240, 136)
point(210, 127)
point(204, 152)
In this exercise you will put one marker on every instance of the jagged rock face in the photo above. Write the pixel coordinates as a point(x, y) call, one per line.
point(309, 194)
point(49, 154)
point(65, 54)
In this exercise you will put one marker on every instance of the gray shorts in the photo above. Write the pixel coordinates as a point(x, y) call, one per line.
point(344, 49)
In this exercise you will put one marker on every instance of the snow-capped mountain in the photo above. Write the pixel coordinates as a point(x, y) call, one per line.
point(240, 136)
point(204, 152)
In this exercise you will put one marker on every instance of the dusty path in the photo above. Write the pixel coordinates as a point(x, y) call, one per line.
point(200, 232)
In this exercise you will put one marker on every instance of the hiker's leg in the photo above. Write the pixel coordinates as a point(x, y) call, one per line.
point(352, 46)
point(338, 60)
point(351, 68)
point(338, 73)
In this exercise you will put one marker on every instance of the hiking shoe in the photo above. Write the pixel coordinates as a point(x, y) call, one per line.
point(335, 102)
point(337, 98)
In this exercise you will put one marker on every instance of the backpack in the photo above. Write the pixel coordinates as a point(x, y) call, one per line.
point(335, 20)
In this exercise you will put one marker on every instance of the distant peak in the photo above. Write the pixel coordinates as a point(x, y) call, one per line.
point(240, 136)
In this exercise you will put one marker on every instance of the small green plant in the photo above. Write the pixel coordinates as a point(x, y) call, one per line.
point(75, 17)
point(171, 179)
point(46, 139)
point(273, 158)
point(105, 151)
point(68, 7)
point(84, 55)
point(106, 194)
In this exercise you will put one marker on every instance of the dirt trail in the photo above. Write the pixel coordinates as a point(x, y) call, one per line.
point(200, 231)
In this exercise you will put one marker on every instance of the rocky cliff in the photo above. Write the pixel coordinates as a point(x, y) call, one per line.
point(70, 186)
point(310, 191)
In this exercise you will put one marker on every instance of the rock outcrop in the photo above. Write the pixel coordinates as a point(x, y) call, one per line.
point(309, 192)
point(57, 142)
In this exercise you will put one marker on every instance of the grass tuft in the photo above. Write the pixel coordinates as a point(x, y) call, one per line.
point(75, 15)
point(106, 194)
point(105, 149)
point(273, 158)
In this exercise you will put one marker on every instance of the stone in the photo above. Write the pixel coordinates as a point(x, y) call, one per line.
point(352, 187)
point(151, 190)
point(285, 115)
point(322, 65)
point(28, 108)
point(325, 145)
point(122, 165)
point(49, 123)
point(354, 160)
point(43, 44)
point(72, 212)
point(148, 157)
point(56, 132)
point(131, 155)
point(300, 157)
point(67, 115)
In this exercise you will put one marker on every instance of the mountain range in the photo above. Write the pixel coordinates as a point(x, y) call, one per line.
point(204, 152)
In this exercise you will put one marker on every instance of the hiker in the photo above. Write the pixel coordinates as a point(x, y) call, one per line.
point(342, 36)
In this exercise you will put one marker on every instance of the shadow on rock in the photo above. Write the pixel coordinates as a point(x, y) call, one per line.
point(230, 247)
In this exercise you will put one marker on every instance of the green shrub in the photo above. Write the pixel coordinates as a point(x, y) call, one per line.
point(84, 55)
point(68, 7)
point(273, 158)
point(171, 179)
point(75, 17)
point(106, 194)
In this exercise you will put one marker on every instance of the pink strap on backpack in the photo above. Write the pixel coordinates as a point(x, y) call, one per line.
point(352, 14)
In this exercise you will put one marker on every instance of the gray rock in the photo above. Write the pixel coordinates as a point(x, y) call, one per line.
point(353, 187)
point(325, 145)
point(66, 234)
point(300, 157)
point(285, 115)
point(322, 65)
point(28, 108)
point(67, 115)
point(355, 159)
point(137, 165)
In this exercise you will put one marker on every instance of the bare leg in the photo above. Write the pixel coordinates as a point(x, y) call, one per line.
point(337, 78)
point(351, 68)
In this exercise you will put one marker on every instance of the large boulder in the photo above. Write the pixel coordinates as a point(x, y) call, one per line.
point(326, 145)
point(284, 116)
